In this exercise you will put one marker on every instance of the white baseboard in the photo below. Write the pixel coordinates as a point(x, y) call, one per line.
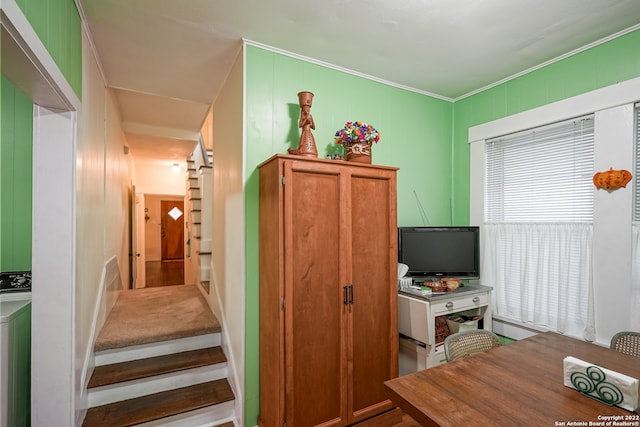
point(511, 329)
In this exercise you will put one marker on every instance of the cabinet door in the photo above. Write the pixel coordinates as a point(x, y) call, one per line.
point(373, 320)
point(314, 327)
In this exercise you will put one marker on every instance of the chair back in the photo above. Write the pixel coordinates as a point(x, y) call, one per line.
point(466, 343)
point(627, 342)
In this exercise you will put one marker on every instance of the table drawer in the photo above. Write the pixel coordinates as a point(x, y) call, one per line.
point(452, 305)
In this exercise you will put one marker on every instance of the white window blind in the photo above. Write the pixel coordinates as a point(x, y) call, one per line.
point(542, 175)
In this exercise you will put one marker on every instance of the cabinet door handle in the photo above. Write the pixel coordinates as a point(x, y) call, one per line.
point(350, 294)
point(449, 304)
point(345, 294)
point(476, 299)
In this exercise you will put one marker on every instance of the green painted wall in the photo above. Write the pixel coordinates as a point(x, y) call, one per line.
point(425, 137)
point(416, 137)
point(58, 26)
point(16, 137)
point(607, 64)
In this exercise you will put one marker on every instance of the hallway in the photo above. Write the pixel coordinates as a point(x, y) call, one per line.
point(164, 273)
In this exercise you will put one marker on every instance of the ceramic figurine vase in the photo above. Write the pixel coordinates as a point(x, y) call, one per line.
point(307, 144)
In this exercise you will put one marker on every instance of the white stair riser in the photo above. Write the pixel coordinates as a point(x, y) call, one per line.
point(144, 386)
point(205, 272)
point(222, 413)
point(205, 245)
point(144, 351)
point(196, 216)
point(195, 204)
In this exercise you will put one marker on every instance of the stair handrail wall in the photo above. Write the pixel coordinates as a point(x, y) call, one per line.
point(203, 152)
point(202, 160)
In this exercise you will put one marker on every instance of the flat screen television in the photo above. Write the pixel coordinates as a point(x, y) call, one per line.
point(433, 252)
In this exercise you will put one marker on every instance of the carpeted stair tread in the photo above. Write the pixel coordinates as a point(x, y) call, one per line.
point(159, 405)
point(151, 315)
point(144, 368)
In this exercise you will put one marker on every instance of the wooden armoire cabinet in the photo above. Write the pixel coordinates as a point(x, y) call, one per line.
point(328, 292)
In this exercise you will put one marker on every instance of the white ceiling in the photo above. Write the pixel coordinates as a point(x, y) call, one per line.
point(167, 59)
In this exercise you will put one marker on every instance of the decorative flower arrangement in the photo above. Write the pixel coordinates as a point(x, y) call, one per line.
point(357, 132)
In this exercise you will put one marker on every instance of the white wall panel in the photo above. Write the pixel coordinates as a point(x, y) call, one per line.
point(117, 180)
point(53, 359)
point(228, 244)
point(103, 179)
point(158, 179)
point(612, 223)
point(90, 200)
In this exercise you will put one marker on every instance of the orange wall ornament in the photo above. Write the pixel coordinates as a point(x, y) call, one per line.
point(612, 179)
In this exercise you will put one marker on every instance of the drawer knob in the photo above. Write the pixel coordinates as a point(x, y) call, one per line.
point(449, 304)
point(476, 299)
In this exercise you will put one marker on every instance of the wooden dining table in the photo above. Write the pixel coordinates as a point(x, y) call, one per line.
point(517, 384)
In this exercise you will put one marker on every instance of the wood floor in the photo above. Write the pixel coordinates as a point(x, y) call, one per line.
point(164, 273)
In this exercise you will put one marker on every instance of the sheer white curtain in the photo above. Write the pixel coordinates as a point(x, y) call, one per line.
point(635, 277)
point(541, 274)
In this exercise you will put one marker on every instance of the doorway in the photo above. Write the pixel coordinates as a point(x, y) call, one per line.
point(164, 240)
point(172, 229)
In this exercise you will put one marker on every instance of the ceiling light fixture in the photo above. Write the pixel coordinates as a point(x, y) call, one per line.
point(175, 168)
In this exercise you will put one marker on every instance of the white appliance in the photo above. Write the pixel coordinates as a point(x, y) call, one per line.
point(15, 362)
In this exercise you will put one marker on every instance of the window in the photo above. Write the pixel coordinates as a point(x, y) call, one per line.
point(542, 175)
point(635, 228)
point(538, 225)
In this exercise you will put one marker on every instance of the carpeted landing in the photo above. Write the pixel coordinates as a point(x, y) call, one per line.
point(147, 315)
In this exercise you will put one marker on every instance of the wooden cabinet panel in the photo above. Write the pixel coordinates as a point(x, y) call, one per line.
point(328, 300)
point(374, 265)
point(314, 312)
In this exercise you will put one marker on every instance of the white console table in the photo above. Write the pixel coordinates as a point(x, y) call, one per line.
point(417, 315)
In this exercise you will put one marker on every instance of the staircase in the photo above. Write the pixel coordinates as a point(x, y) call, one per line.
point(198, 205)
point(177, 377)
point(177, 382)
